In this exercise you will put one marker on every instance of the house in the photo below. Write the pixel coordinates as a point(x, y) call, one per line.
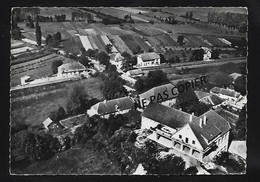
point(72, 68)
point(135, 73)
point(207, 54)
point(200, 137)
point(50, 124)
point(104, 109)
point(226, 94)
point(148, 59)
point(208, 98)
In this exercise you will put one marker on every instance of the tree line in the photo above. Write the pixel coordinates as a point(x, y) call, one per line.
point(228, 19)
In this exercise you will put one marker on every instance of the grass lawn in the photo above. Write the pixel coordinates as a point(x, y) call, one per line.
point(34, 109)
point(83, 160)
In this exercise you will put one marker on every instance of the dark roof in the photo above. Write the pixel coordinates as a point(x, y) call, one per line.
point(216, 100)
point(201, 94)
point(171, 117)
point(215, 125)
point(174, 118)
point(149, 56)
point(109, 106)
point(223, 91)
point(73, 66)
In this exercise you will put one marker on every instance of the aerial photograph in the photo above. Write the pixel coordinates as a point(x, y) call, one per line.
point(128, 91)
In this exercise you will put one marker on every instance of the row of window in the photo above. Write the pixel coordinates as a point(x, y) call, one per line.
point(187, 140)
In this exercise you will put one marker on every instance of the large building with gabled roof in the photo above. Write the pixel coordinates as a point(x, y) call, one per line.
point(148, 59)
point(199, 137)
point(105, 108)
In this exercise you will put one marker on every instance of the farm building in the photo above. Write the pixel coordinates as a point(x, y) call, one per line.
point(135, 73)
point(199, 137)
point(148, 59)
point(207, 54)
point(50, 124)
point(73, 68)
point(226, 94)
point(105, 108)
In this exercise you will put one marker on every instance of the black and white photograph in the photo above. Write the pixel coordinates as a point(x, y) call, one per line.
point(128, 90)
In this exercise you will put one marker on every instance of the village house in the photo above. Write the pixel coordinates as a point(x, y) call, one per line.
point(50, 124)
point(70, 69)
point(207, 54)
point(148, 59)
point(200, 137)
point(226, 94)
point(208, 98)
point(115, 106)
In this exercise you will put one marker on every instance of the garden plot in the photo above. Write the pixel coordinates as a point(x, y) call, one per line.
point(90, 31)
point(16, 45)
point(85, 42)
point(107, 41)
point(166, 40)
point(91, 40)
point(119, 44)
point(20, 50)
point(215, 41)
point(142, 43)
point(98, 42)
point(130, 42)
point(196, 41)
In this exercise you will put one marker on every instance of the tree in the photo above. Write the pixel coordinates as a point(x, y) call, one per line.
point(126, 55)
point(139, 85)
point(192, 170)
point(55, 64)
point(242, 28)
point(214, 54)
point(84, 60)
point(48, 39)
point(77, 100)
point(240, 129)
point(155, 78)
point(57, 36)
point(162, 58)
point(187, 98)
point(61, 113)
point(109, 48)
point(197, 55)
point(240, 85)
point(180, 40)
point(38, 34)
point(103, 58)
point(199, 108)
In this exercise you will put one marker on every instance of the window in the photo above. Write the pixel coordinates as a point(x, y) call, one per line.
point(186, 140)
point(180, 136)
point(193, 142)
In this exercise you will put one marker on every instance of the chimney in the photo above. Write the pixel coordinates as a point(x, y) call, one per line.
point(201, 122)
point(191, 117)
point(204, 120)
point(105, 101)
point(180, 109)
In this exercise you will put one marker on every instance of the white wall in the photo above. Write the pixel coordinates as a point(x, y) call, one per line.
point(186, 131)
point(147, 123)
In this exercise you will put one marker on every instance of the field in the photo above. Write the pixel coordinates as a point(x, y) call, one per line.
point(142, 43)
point(130, 42)
point(35, 107)
point(119, 44)
point(36, 68)
point(196, 41)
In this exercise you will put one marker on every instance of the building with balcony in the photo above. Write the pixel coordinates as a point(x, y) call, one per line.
point(199, 137)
